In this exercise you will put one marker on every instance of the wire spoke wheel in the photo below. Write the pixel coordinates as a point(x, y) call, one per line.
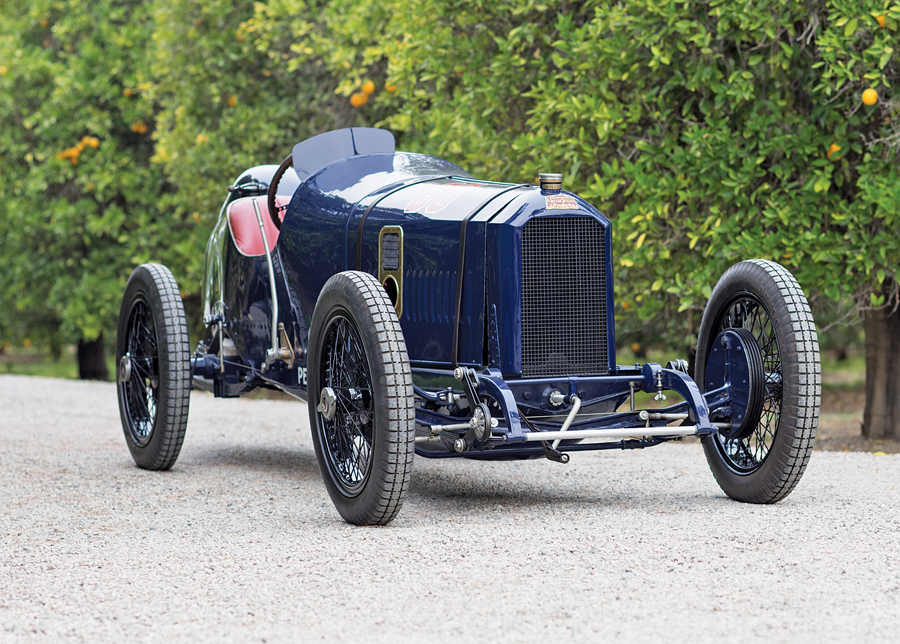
point(364, 427)
point(141, 390)
point(764, 299)
point(348, 435)
point(153, 373)
point(747, 454)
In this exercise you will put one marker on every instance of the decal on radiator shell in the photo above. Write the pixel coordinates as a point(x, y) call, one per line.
point(560, 202)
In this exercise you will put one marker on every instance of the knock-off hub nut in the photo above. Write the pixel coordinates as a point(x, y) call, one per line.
point(327, 403)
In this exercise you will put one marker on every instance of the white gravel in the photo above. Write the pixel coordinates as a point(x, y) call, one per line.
point(240, 543)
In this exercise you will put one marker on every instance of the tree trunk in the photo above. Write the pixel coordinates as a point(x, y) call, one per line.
point(882, 415)
point(92, 360)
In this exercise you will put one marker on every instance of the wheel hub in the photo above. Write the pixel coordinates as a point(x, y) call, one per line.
point(327, 403)
point(125, 368)
point(736, 360)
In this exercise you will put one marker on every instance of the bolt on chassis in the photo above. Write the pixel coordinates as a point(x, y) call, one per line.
point(421, 311)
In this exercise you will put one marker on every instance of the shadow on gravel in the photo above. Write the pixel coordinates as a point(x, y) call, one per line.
point(487, 492)
point(293, 462)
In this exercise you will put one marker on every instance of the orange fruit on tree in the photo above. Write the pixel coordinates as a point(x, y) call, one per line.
point(358, 99)
point(880, 20)
point(389, 88)
point(834, 148)
point(368, 88)
point(870, 97)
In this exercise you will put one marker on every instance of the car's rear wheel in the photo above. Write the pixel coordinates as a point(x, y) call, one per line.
point(361, 406)
point(765, 463)
point(153, 371)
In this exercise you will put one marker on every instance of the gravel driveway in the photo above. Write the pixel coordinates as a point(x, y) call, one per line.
point(239, 542)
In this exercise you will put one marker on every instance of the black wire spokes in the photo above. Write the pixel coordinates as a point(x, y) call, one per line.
point(747, 454)
point(141, 390)
point(348, 435)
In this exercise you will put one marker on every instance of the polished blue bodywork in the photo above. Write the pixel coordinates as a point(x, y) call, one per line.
point(339, 206)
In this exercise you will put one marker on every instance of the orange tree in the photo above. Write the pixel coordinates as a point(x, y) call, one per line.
point(709, 131)
point(121, 125)
point(79, 200)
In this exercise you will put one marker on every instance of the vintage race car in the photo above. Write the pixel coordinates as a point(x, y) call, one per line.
point(419, 310)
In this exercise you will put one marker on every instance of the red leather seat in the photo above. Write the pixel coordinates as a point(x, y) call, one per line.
point(245, 228)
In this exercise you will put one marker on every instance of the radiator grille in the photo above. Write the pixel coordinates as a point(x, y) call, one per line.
point(564, 297)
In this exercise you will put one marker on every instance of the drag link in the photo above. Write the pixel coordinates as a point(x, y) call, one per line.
point(576, 407)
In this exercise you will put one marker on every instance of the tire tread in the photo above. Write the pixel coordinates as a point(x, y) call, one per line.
point(798, 422)
point(160, 288)
point(392, 474)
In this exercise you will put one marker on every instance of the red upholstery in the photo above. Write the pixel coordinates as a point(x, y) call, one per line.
point(245, 228)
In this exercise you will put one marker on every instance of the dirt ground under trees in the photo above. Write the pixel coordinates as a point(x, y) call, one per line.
point(840, 424)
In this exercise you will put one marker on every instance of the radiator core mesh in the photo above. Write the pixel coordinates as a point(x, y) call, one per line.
point(564, 297)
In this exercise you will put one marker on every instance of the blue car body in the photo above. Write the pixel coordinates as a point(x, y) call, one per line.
point(511, 283)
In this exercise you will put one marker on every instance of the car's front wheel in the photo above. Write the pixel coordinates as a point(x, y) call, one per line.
point(766, 462)
point(361, 406)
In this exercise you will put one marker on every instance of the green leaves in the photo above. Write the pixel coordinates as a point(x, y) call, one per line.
point(703, 135)
point(81, 195)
